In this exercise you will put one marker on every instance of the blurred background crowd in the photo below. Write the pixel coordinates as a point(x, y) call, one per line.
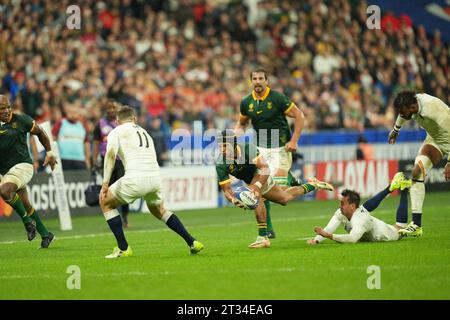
point(178, 61)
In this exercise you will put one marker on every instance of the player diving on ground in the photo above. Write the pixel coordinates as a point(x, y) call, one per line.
point(357, 220)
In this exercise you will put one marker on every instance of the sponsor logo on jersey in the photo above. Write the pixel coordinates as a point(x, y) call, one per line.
point(3, 131)
point(258, 112)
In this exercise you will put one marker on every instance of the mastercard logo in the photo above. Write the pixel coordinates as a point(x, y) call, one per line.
point(5, 209)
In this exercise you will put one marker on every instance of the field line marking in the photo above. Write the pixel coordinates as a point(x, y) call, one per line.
point(216, 225)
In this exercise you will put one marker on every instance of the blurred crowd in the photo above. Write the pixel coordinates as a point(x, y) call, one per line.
point(178, 61)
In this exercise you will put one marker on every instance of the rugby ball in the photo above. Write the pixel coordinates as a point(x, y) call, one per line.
point(247, 197)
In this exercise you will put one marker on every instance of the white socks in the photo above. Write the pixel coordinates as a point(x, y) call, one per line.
point(111, 214)
point(417, 193)
point(166, 215)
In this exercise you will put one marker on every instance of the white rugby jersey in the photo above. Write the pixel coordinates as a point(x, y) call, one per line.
point(362, 227)
point(135, 148)
point(434, 117)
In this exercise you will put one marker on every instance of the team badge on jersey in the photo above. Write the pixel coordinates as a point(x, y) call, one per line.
point(14, 125)
point(269, 105)
point(250, 107)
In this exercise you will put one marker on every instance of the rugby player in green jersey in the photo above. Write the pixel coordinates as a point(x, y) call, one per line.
point(16, 167)
point(267, 109)
point(245, 162)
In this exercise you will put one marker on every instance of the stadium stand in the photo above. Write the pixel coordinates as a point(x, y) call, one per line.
point(189, 60)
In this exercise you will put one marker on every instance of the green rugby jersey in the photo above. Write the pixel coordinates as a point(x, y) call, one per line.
point(268, 113)
point(243, 167)
point(13, 142)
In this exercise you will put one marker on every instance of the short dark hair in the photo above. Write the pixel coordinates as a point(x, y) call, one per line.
point(258, 70)
point(404, 98)
point(227, 136)
point(125, 112)
point(352, 196)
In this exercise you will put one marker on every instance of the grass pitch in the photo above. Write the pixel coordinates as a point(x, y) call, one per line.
point(162, 268)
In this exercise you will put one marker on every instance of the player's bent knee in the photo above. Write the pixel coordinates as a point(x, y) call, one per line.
point(156, 210)
point(6, 192)
point(422, 165)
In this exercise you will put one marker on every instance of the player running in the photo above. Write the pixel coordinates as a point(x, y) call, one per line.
point(434, 116)
point(141, 180)
point(359, 223)
point(267, 109)
point(101, 131)
point(16, 167)
point(245, 162)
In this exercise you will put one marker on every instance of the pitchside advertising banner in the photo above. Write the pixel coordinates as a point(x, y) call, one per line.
point(366, 177)
point(192, 187)
point(195, 187)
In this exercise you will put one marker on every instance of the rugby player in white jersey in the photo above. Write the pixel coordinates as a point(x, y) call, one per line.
point(433, 115)
point(141, 180)
point(357, 220)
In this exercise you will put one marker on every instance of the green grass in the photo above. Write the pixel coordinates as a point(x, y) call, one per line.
point(162, 268)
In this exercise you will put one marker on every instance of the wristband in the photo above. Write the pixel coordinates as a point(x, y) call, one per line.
point(50, 153)
point(258, 184)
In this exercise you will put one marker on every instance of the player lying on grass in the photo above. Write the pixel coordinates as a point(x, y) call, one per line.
point(358, 222)
point(16, 167)
point(141, 180)
point(244, 162)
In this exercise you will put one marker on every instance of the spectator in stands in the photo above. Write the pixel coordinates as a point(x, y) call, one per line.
point(159, 139)
point(364, 150)
point(185, 58)
point(73, 140)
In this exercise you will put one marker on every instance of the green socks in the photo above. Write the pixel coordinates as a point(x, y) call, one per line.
point(268, 219)
point(18, 206)
point(262, 229)
point(39, 225)
point(308, 187)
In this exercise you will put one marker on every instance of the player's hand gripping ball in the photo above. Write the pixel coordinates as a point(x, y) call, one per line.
point(247, 197)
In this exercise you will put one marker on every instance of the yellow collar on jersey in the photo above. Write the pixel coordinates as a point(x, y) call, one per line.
point(264, 95)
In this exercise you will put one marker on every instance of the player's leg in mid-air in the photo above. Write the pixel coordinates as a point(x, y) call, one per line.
point(13, 191)
point(429, 155)
point(156, 207)
point(283, 197)
point(399, 182)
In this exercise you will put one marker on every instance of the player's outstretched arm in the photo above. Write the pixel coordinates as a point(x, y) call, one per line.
point(50, 157)
point(331, 227)
point(353, 237)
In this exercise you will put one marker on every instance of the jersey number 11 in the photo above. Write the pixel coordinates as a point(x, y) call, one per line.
point(140, 139)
